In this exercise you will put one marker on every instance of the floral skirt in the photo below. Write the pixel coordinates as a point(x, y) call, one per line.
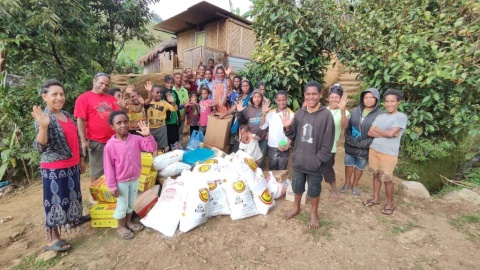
point(62, 198)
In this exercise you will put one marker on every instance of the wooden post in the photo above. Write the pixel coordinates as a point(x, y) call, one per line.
point(3, 59)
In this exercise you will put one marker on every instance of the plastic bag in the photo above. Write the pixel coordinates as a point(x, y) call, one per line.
point(195, 139)
point(195, 203)
point(277, 189)
point(162, 161)
point(174, 169)
point(239, 198)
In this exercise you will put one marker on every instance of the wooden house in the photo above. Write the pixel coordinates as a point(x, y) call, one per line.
point(204, 31)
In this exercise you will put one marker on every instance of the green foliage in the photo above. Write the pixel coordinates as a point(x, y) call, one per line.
point(431, 51)
point(295, 43)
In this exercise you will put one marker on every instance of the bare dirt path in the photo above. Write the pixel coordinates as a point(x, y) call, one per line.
point(419, 235)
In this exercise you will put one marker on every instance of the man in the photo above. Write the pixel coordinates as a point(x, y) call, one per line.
point(278, 143)
point(312, 130)
point(92, 110)
point(182, 95)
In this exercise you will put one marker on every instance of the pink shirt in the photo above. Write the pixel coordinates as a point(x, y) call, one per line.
point(122, 159)
point(205, 110)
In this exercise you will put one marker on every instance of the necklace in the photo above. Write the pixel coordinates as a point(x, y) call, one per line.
point(316, 109)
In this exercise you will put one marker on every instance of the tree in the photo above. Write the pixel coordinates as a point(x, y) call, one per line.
point(295, 43)
point(431, 51)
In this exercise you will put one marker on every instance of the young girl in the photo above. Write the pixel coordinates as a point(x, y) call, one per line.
point(136, 111)
point(249, 143)
point(206, 105)
point(193, 112)
point(122, 166)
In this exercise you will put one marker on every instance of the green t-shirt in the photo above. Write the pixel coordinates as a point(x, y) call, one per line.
point(337, 120)
point(182, 97)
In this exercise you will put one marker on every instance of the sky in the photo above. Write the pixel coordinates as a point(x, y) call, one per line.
point(170, 8)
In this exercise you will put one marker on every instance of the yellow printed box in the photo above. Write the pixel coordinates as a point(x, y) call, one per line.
point(147, 181)
point(147, 162)
point(103, 210)
point(100, 191)
point(104, 223)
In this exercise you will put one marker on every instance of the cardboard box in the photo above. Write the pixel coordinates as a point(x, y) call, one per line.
point(280, 175)
point(290, 196)
point(104, 223)
point(146, 200)
point(218, 131)
point(147, 181)
point(147, 162)
point(103, 211)
point(100, 191)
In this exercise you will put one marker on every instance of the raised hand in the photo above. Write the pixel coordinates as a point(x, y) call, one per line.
point(170, 98)
point(240, 106)
point(144, 128)
point(286, 120)
point(149, 86)
point(343, 102)
point(141, 100)
point(266, 106)
point(129, 89)
point(228, 70)
point(42, 118)
point(122, 103)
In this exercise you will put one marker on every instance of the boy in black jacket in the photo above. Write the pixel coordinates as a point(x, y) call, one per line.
point(313, 131)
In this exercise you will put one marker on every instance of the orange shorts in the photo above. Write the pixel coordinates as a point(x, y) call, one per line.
point(382, 164)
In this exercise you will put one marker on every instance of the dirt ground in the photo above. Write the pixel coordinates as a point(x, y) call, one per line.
point(419, 235)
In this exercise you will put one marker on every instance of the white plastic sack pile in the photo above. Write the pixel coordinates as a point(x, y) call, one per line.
point(244, 165)
point(217, 201)
point(162, 161)
point(195, 203)
point(261, 196)
point(174, 169)
point(277, 189)
point(219, 161)
point(239, 198)
point(165, 215)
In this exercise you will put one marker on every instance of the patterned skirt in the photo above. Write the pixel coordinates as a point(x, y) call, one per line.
point(62, 197)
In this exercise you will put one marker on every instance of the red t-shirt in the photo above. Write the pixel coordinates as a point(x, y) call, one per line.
point(70, 132)
point(95, 109)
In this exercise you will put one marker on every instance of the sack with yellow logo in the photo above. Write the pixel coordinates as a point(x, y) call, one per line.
point(212, 176)
point(239, 198)
point(195, 202)
point(261, 196)
point(244, 165)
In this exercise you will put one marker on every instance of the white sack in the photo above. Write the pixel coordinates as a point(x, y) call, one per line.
point(162, 161)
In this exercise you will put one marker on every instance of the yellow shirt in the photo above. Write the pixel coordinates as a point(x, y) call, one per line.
point(157, 112)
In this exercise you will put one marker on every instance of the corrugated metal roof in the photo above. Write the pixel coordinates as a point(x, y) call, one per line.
point(198, 14)
point(237, 64)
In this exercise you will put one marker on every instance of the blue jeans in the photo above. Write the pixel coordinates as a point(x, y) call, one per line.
point(125, 201)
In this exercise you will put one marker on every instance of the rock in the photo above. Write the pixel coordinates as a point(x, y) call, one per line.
point(47, 255)
point(262, 249)
point(414, 189)
point(462, 196)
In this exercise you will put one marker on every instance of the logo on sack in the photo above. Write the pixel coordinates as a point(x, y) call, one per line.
point(238, 200)
point(212, 185)
point(239, 186)
point(211, 161)
point(251, 163)
point(204, 168)
point(266, 197)
point(199, 209)
point(203, 194)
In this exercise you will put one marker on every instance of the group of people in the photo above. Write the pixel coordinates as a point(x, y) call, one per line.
point(113, 130)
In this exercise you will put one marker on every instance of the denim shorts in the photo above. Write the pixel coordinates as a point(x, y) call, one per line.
point(357, 162)
point(314, 183)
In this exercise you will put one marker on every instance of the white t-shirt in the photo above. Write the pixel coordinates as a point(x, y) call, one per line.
point(389, 146)
point(252, 148)
point(337, 120)
point(273, 122)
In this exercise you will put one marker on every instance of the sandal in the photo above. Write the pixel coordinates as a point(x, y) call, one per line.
point(356, 191)
point(136, 228)
point(344, 189)
point(125, 235)
point(370, 202)
point(388, 211)
point(58, 246)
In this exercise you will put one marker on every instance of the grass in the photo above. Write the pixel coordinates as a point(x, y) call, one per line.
point(30, 262)
point(398, 229)
point(468, 224)
point(325, 226)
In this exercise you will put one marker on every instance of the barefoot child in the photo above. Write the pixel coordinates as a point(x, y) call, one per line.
point(387, 131)
point(249, 143)
point(122, 165)
point(193, 112)
point(206, 105)
point(312, 131)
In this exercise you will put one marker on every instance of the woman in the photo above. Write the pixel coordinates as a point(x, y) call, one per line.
point(357, 141)
point(220, 88)
point(60, 164)
point(200, 77)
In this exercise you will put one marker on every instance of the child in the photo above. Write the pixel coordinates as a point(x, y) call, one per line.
point(206, 105)
point(249, 143)
point(387, 131)
point(180, 96)
point(193, 112)
point(136, 111)
point(157, 113)
point(122, 166)
point(116, 93)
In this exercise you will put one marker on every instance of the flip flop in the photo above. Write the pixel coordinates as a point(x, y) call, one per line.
point(370, 202)
point(356, 191)
point(136, 228)
point(344, 189)
point(58, 246)
point(125, 235)
point(388, 211)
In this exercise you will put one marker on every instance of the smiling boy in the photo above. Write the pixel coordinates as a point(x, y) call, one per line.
point(387, 131)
